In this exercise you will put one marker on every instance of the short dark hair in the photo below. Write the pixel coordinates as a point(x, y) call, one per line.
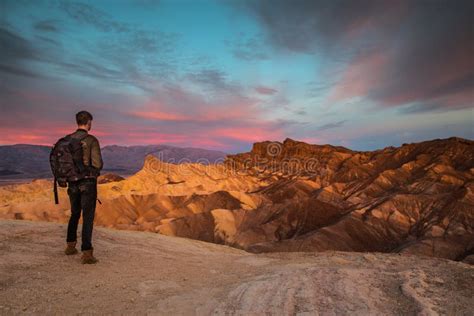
point(83, 117)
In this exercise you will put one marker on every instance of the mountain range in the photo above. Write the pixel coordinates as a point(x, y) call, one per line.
point(291, 196)
point(32, 161)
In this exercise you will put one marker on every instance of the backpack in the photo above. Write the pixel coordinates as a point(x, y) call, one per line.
point(66, 160)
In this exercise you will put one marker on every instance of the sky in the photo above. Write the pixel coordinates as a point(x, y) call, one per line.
point(225, 74)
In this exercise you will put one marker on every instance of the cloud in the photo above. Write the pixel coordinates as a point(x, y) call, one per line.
point(227, 116)
point(394, 53)
point(217, 86)
point(301, 112)
point(455, 101)
point(15, 47)
point(248, 48)
point(265, 90)
point(315, 89)
point(15, 53)
point(176, 102)
point(305, 26)
point(19, 71)
point(248, 134)
point(141, 56)
point(434, 59)
point(295, 110)
point(360, 76)
point(90, 15)
point(48, 40)
point(46, 26)
point(331, 125)
point(161, 116)
point(145, 85)
point(131, 58)
point(211, 78)
point(91, 69)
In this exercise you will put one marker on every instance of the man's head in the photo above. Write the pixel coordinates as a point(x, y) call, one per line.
point(84, 120)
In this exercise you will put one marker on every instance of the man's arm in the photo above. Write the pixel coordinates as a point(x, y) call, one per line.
point(96, 157)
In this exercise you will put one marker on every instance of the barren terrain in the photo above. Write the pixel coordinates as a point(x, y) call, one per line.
point(290, 196)
point(147, 273)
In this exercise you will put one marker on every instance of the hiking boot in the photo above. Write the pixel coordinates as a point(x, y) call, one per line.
point(88, 257)
point(71, 248)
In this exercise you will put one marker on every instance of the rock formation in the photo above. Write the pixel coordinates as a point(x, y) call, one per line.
point(109, 177)
point(292, 196)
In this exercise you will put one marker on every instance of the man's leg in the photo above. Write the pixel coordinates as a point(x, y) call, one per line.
point(75, 200)
point(88, 201)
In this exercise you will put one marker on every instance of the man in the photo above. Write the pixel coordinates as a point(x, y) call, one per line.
point(83, 193)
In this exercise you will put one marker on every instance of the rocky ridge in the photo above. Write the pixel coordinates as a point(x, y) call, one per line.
point(292, 196)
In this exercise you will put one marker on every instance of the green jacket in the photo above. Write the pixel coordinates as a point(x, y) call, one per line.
point(91, 149)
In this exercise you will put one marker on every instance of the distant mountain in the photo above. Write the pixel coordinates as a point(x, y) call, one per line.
point(32, 161)
point(24, 161)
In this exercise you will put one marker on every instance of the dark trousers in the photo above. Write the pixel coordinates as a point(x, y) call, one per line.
point(83, 196)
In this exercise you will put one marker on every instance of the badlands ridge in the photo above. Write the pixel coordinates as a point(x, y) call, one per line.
point(291, 196)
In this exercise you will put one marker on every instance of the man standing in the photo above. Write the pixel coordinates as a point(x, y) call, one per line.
point(83, 192)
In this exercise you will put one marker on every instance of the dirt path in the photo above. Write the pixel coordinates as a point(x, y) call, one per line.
point(146, 273)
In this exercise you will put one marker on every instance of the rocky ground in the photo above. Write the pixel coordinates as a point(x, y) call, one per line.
point(147, 273)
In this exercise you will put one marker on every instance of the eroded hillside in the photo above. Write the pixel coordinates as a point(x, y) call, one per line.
point(292, 196)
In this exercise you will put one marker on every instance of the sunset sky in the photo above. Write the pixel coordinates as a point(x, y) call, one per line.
point(224, 74)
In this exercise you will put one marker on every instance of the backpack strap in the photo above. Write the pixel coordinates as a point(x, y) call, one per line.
point(55, 189)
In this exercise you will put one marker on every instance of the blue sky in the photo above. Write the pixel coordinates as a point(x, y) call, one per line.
point(225, 74)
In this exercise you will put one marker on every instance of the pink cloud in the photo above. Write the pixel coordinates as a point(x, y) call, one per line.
point(386, 78)
point(360, 77)
point(38, 136)
point(265, 90)
point(313, 140)
point(174, 115)
point(438, 81)
point(460, 98)
point(160, 116)
point(178, 104)
point(249, 134)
